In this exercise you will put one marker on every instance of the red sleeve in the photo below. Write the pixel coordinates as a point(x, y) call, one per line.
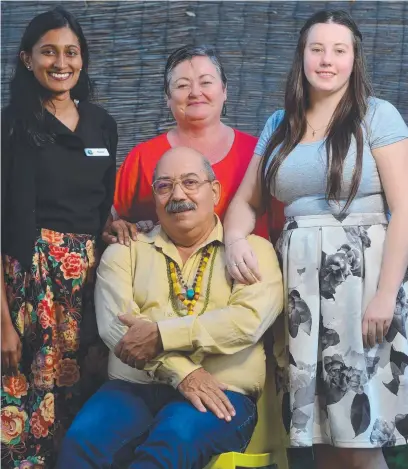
point(133, 195)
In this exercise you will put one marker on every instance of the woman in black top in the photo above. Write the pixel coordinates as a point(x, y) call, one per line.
point(58, 173)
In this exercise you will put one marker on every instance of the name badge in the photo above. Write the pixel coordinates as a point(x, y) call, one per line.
point(96, 152)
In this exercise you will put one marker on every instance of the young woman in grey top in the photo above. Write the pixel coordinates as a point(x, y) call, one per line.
point(342, 350)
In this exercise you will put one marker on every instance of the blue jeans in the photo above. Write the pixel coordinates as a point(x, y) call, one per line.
point(151, 426)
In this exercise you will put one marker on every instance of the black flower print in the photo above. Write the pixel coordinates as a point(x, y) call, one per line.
point(357, 379)
point(334, 271)
point(383, 433)
point(357, 235)
point(399, 319)
point(353, 258)
point(298, 314)
point(401, 422)
point(398, 362)
point(299, 419)
point(371, 365)
point(341, 378)
point(360, 415)
point(328, 337)
point(340, 393)
point(291, 223)
point(303, 380)
point(337, 267)
point(306, 395)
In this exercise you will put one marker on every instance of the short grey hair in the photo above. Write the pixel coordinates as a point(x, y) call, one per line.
point(187, 53)
point(206, 166)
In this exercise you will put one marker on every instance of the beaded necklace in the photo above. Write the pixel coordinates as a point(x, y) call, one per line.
point(179, 288)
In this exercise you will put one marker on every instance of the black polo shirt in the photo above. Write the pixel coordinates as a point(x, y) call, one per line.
point(66, 186)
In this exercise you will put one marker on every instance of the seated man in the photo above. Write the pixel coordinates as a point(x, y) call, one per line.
point(187, 361)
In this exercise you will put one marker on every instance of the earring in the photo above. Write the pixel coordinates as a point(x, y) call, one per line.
point(224, 109)
point(28, 67)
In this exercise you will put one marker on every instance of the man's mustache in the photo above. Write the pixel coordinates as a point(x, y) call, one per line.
point(178, 206)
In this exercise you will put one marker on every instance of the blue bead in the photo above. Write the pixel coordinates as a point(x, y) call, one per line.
point(190, 294)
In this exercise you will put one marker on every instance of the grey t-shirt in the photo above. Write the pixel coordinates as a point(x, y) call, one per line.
point(301, 179)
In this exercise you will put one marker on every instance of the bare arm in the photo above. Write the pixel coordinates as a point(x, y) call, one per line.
point(10, 341)
point(392, 163)
point(246, 205)
point(240, 222)
point(5, 314)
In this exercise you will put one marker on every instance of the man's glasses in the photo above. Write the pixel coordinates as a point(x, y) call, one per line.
point(189, 185)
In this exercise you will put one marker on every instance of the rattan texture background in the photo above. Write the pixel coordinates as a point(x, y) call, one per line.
point(130, 41)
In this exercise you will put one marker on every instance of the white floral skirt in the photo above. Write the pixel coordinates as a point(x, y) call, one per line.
point(333, 390)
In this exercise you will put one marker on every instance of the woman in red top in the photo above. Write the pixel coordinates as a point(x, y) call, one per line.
point(196, 89)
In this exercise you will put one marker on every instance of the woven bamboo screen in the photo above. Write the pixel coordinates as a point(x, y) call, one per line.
point(130, 40)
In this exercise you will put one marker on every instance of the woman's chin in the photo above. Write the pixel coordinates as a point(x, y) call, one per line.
point(198, 116)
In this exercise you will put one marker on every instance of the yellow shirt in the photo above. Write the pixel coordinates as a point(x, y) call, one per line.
point(226, 339)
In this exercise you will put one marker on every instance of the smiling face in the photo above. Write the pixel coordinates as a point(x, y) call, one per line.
point(328, 57)
point(196, 91)
point(56, 60)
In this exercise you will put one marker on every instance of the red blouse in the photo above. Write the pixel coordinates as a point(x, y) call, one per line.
point(134, 196)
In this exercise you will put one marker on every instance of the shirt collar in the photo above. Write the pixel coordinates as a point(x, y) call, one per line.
point(88, 117)
point(89, 123)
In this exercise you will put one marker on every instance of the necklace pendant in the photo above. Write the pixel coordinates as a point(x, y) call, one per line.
point(313, 133)
point(190, 294)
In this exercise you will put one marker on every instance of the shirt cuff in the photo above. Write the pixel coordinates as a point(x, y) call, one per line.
point(171, 369)
point(114, 213)
point(175, 333)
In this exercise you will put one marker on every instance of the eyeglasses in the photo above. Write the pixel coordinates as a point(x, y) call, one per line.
point(189, 185)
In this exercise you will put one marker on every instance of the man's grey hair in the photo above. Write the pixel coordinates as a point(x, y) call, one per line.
point(206, 166)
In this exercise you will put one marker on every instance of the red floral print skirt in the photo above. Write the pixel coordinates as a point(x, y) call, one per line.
point(46, 307)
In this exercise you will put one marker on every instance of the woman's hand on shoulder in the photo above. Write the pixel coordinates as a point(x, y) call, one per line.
point(242, 263)
point(120, 231)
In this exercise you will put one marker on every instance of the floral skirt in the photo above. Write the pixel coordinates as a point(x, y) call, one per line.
point(46, 306)
point(333, 390)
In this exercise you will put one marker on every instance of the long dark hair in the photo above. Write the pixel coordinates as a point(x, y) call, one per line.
point(27, 96)
point(345, 122)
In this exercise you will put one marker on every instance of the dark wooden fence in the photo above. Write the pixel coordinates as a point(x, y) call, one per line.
point(130, 40)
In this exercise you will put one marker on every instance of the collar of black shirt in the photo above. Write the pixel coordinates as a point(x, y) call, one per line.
point(91, 119)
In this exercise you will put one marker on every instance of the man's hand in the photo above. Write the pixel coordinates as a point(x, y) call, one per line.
point(204, 391)
point(141, 343)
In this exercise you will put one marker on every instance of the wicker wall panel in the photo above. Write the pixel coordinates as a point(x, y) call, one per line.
point(130, 40)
